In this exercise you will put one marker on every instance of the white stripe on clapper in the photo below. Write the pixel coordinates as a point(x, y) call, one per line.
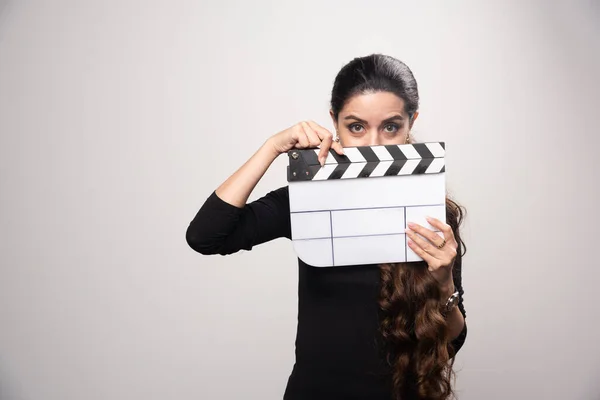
point(353, 170)
point(436, 166)
point(354, 155)
point(324, 172)
point(382, 153)
point(436, 149)
point(381, 168)
point(330, 158)
point(409, 167)
point(409, 151)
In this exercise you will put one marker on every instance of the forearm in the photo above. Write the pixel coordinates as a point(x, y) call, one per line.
point(456, 323)
point(455, 319)
point(238, 187)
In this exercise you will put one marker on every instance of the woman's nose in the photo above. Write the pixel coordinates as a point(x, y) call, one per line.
point(374, 139)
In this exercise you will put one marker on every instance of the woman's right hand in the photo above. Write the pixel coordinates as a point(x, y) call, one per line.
point(306, 134)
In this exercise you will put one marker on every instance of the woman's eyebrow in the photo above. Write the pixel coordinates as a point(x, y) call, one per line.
point(392, 118)
point(355, 117)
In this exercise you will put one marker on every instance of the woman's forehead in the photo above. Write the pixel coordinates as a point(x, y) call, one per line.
point(374, 105)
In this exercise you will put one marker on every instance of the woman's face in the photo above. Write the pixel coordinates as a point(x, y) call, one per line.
point(373, 119)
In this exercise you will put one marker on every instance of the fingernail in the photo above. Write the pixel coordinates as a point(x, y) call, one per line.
point(411, 224)
point(407, 230)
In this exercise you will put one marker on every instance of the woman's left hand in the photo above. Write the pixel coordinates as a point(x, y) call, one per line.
point(439, 253)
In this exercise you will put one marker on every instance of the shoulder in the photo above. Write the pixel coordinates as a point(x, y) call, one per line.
point(283, 192)
point(276, 201)
point(280, 195)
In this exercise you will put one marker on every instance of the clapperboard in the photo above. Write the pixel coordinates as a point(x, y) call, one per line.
point(355, 209)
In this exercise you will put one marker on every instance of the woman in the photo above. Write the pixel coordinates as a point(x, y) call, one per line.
point(364, 332)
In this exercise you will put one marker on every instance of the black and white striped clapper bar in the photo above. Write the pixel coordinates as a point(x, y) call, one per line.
point(355, 209)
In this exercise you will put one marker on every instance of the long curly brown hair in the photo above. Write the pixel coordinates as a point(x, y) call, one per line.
point(415, 333)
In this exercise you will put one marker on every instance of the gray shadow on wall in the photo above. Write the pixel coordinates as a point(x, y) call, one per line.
point(9, 388)
point(6, 7)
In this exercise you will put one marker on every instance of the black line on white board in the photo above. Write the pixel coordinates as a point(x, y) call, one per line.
point(352, 236)
point(405, 238)
point(366, 208)
point(331, 233)
point(356, 236)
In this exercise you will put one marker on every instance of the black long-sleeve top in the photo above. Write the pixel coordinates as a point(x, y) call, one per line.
point(338, 355)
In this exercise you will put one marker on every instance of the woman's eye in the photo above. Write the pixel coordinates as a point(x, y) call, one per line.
point(391, 128)
point(355, 128)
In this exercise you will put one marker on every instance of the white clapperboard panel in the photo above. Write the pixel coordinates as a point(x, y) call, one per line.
point(356, 208)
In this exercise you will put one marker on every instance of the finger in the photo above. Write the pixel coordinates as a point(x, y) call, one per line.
point(426, 233)
point(325, 133)
point(424, 244)
point(302, 141)
point(327, 140)
point(428, 258)
point(312, 136)
point(315, 141)
point(338, 148)
point(440, 256)
point(444, 228)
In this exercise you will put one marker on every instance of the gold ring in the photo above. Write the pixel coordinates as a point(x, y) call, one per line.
point(442, 245)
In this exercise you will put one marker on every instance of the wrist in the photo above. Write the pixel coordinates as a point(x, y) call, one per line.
point(270, 149)
point(447, 289)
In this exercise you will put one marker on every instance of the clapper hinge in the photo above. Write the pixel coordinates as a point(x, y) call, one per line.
point(303, 165)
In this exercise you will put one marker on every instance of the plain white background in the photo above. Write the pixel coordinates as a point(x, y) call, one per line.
point(118, 119)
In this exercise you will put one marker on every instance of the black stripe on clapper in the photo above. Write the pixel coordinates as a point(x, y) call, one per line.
point(395, 168)
point(395, 152)
point(310, 157)
point(338, 171)
point(443, 169)
point(339, 159)
point(368, 154)
point(368, 169)
point(343, 164)
point(423, 150)
point(371, 159)
point(423, 165)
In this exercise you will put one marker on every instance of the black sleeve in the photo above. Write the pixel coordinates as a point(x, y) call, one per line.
point(459, 341)
point(222, 228)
